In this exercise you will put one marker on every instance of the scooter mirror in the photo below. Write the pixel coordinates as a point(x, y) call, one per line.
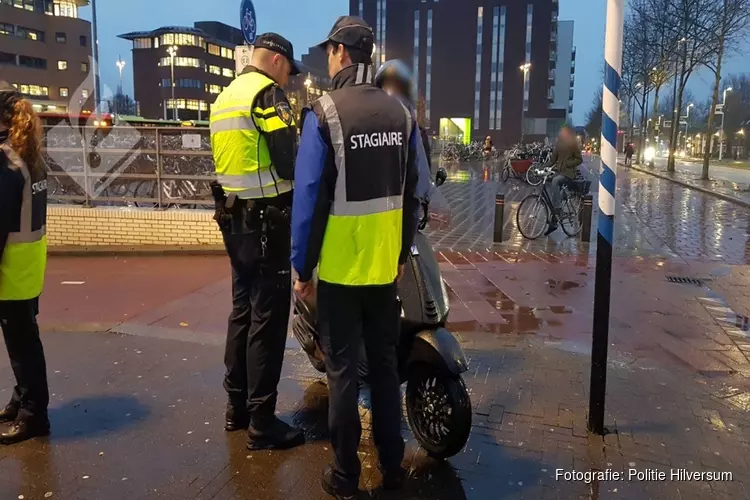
point(441, 177)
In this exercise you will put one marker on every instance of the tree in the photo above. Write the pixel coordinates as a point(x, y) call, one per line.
point(594, 117)
point(730, 27)
point(122, 104)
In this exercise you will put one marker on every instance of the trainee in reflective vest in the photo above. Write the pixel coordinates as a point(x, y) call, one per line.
point(369, 134)
point(25, 255)
point(241, 156)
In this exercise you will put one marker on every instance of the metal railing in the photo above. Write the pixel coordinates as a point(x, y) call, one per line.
point(150, 167)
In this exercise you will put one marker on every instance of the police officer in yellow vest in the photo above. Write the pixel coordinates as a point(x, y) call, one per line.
point(354, 218)
point(254, 142)
point(23, 258)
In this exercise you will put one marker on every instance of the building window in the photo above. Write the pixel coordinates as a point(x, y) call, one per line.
point(229, 73)
point(7, 58)
point(33, 90)
point(428, 84)
point(83, 40)
point(190, 62)
point(30, 34)
point(62, 65)
point(214, 50)
point(493, 75)
point(166, 82)
point(20, 4)
point(214, 70)
point(227, 53)
point(61, 37)
point(383, 31)
point(478, 75)
point(7, 29)
point(529, 27)
point(416, 53)
point(85, 67)
point(498, 125)
point(142, 43)
point(381, 27)
point(64, 91)
point(214, 89)
point(189, 83)
point(181, 39)
point(66, 9)
point(32, 62)
point(85, 93)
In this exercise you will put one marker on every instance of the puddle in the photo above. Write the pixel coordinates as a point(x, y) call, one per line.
point(563, 285)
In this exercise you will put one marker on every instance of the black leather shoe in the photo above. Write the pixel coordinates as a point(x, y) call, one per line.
point(276, 434)
point(8, 414)
point(337, 491)
point(394, 479)
point(236, 419)
point(21, 430)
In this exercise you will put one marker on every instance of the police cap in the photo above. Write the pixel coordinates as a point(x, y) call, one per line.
point(352, 32)
point(278, 44)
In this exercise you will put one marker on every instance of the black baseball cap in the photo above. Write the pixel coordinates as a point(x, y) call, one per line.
point(352, 32)
point(279, 44)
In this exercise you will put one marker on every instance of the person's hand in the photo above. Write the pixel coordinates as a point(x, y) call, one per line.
point(303, 289)
point(400, 274)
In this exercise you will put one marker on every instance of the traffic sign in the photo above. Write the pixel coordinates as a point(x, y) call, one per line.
point(243, 54)
point(248, 21)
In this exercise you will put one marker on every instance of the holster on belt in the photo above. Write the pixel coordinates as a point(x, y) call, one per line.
point(224, 206)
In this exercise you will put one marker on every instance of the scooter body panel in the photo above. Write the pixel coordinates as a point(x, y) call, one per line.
point(440, 348)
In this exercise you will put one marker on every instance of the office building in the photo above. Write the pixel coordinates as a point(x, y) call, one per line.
point(565, 69)
point(45, 52)
point(467, 57)
point(203, 62)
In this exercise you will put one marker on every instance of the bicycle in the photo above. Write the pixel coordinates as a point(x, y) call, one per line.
point(535, 212)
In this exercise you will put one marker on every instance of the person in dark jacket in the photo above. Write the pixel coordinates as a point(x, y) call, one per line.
point(354, 219)
point(629, 150)
point(565, 159)
point(23, 259)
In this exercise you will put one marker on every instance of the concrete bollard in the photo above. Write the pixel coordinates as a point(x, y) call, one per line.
point(499, 218)
point(586, 212)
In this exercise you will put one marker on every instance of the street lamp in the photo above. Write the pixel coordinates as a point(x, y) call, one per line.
point(121, 66)
point(172, 51)
point(525, 68)
point(687, 123)
point(723, 113)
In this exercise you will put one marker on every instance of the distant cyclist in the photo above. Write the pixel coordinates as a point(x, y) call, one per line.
point(565, 159)
point(488, 147)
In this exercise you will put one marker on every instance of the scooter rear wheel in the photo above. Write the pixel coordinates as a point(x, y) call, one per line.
point(439, 410)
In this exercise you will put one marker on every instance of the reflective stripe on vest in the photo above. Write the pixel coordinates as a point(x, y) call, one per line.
point(25, 254)
point(241, 156)
point(362, 242)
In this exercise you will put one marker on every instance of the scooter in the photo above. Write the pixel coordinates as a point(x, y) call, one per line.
point(430, 358)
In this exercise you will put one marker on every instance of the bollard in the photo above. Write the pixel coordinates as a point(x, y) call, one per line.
point(588, 208)
point(499, 218)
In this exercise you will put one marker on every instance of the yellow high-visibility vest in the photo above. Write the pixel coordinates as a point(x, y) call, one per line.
point(25, 255)
point(241, 156)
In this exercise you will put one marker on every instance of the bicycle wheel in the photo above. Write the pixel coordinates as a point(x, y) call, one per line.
point(532, 217)
point(570, 214)
point(532, 176)
point(506, 174)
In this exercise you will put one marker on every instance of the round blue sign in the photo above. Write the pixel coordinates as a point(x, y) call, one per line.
point(247, 21)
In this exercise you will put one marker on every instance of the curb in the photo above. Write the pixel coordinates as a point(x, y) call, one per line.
point(721, 196)
point(158, 251)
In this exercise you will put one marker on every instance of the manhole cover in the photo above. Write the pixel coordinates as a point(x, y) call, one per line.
point(684, 280)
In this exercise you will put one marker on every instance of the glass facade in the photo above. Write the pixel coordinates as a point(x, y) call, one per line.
point(416, 53)
point(380, 32)
point(478, 75)
point(362, 8)
point(527, 78)
point(190, 62)
point(500, 71)
point(428, 67)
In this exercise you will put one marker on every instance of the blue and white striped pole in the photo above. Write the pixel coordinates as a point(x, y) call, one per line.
point(605, 237)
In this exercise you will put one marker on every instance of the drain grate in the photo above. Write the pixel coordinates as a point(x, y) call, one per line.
point(684, 280)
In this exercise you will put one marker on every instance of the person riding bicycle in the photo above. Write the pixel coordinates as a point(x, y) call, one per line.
point(395, 78)
point(565, 159)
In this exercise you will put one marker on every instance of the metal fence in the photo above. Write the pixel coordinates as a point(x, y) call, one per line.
point(150, 167)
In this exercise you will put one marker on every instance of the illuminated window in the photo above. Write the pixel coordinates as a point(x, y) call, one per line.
point(227, 53)
point(214, 50)
point(62, 65)
point(66, 9)
point(85, 93)
point(85, 67)
point(478, 73)
point(229, 73)
point(64, 91)
point(30, 34)
point(214, 70)
point(214, 89)
point(190, 62)
point(181, 39)
point(7, 29)
point(498, 59)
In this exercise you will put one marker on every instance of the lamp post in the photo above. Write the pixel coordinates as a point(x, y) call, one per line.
point(121, 66)
point(525, 68)
point(172, 51)
point(723, 113)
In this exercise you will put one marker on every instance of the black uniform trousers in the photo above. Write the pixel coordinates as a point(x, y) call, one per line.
point(21, 334)
point(349, 316)
point(256, 336)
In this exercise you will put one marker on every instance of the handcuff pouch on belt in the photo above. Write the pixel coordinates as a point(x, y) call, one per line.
point(239, 216)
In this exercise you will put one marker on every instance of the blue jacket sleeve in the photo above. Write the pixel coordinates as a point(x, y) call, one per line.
point(311, 204)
